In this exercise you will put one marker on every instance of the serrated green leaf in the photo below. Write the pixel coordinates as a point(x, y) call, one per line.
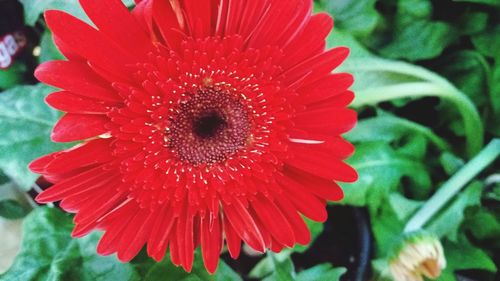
point(447, 223)
point(402, 206)
point(420, 40)
point(25, 125)
point(358, 17)
point(463, 255)
point(484, 225)
point(321, 272)
point(282, 270)
point(380, 169)
point(11, 209)
point(469, 71)
point(472, 22)
point(266, 265)
point(451, 163)
point(389, 128)
point(49, 253)
point(387, 229)
point(488, 42)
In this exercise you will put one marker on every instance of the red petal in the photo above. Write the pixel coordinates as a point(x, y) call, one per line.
point(328, 121)
point(86, 41)
point(167, 18)
point(74, 127)
point(274, 220)
point(300, 230)
point(325, 189)
point(199, 17)
point(158, 241)
point(310, 42)
point(280, 23)
point(324, 167)
point(244, 225)
point(211, 243)
point(305, 202)
point(72, 103)
point(328, 87)
point(233, 241)
point(316, 67)
point(135, 235)
point(335, 147)
point(38, 166)
point(114, 20)
point(114, 224)
point(90, 153)
point(75, 77)
point(74, 184)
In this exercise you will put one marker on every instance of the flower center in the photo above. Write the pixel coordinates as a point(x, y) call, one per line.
point(210, 126)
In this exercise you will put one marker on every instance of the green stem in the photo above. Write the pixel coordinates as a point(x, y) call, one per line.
point(472, 121)
point(454, 185)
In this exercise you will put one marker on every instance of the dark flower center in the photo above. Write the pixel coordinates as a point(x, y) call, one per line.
point(209, 127)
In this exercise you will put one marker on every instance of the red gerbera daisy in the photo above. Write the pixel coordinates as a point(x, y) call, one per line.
point(200, 121)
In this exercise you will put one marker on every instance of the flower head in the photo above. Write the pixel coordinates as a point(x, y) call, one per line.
point(420, 254)
point(200, 121)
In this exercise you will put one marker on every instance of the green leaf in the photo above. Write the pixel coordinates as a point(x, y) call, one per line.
point(484, 225)
point(49, 253)
point(25, 125)
point(381, 168)
point(488, 42)
point(463, 255)
point(11, 209)
point(387, 229)
point(447, 223)
point(12, 76)
point(3, 178)
point(472, 23)
point(469, 71)
point(402, 206)
point(266, 265)
point(166, 268)
point(451, 163)
point(321, 272)
point(358, 17)
point(49, 50)
point(34, 8)
point(389, 128)
point(282, 270)
point(494, 125)
point(420, 40)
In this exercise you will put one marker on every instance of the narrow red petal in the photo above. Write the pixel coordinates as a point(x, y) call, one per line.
point(114, 20)
point(74, 127)
point(72, 103)
point(75, 77)
point(86, 41)
point(274, 221)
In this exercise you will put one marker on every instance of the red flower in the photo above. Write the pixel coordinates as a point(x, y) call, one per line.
point(200, 120)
